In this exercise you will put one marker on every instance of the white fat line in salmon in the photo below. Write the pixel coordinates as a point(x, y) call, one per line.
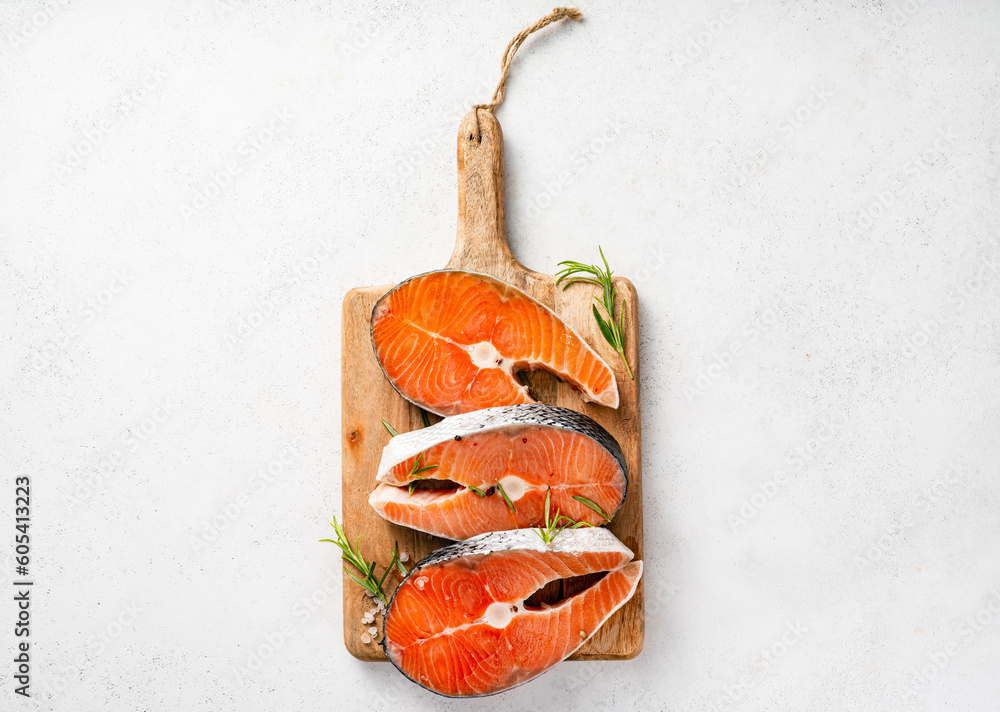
point(483, 354)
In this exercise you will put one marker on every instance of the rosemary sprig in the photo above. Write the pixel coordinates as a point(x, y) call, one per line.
point(417, 469)
point(552, 527)
point(478, 492)
point(613, 331)
point(593, 505)
point(506, 498)
point(352, 555)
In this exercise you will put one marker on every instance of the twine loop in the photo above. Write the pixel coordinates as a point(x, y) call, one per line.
point(508, 56)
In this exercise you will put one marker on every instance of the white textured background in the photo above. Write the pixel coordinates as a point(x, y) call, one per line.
point(806, 195)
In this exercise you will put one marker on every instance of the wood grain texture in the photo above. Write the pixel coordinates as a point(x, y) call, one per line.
point(367, 397)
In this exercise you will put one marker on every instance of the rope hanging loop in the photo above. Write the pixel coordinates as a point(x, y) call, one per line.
point(557, 14)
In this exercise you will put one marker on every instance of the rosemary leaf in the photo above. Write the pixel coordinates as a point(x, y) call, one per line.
point(506, 498)
point(395, 560)
point(593, 505)
point(363, 584)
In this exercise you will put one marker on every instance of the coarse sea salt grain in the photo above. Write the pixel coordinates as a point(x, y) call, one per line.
point(373, 630)
point(404, 557)
point(365, 638)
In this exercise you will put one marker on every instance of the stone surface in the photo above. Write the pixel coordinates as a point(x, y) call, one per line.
point(805, 195)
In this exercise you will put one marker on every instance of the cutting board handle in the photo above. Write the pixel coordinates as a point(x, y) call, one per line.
point(481, 243)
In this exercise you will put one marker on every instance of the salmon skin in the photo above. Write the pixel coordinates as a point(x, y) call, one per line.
point(458, 624)
point(527, 450)
point(453, 341)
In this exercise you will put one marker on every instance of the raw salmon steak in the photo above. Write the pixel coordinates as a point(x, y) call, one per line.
point(520, 452)
point(453, 341)
point(459, 625)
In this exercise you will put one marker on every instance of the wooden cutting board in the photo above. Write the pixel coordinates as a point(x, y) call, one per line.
point(368, 398)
